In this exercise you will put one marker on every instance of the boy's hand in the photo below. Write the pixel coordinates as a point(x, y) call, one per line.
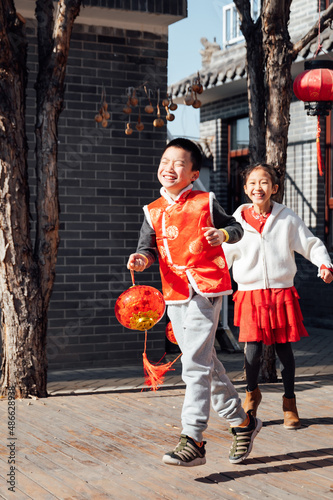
point(326, 275)
point(136, 262)
point(214, 236)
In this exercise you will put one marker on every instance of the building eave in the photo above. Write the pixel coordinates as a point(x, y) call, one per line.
point(226, 75)
point(109, 17)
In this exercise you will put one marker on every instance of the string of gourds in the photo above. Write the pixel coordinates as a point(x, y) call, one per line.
point(190, 99)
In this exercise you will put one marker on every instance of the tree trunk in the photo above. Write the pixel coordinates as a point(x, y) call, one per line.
point(255, 81)
point(27, 277)
point(23, 354)
point(278, 60)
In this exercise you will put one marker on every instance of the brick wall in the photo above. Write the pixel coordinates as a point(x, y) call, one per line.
point(105, 177)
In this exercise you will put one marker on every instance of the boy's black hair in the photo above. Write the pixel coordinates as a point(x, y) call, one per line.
point(191, 147)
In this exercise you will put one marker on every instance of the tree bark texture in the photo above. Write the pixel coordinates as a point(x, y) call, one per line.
point(255, 81)
point(21, 319)
point(53, 43)
point(27, 275)
point(278, 60)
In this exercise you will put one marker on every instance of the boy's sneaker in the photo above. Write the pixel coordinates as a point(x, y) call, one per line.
point(243, 439)
point(187, 453)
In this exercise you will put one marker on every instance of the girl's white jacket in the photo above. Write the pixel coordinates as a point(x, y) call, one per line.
point(267, 260)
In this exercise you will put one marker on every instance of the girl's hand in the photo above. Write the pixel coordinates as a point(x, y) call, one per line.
point(214, 236)
point(136, 262)
point(326, 275)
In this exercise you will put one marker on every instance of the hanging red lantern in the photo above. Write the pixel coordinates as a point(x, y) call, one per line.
point(140, 307)
point(315, 88)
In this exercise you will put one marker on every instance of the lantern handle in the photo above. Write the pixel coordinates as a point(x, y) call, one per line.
point(132, 276)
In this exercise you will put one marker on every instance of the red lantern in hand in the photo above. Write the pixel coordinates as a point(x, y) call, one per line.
point(315, 87)
point(140, 307)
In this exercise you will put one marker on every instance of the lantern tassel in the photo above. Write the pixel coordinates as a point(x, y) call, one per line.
point(319, 155)
point(154, 373)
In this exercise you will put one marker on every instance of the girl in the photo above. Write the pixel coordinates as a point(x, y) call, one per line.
point(266, 303)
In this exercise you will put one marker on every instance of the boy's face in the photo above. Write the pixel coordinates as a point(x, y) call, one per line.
point(175, 171)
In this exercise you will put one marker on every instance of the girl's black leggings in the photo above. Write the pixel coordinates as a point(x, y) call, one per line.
point(253, 352)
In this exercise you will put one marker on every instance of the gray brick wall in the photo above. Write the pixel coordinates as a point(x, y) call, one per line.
point(105, 177)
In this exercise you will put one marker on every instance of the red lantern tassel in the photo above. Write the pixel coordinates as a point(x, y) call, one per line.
point(319, 155)
point(154, 373)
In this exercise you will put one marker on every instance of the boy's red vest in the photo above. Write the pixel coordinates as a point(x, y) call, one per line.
point(185, 256)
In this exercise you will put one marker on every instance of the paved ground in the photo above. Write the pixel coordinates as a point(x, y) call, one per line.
point(314, 360)
point(99, 437)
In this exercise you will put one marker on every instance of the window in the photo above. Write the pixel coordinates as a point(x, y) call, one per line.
point(239, 134)
point(231, 29)
point(238, 151)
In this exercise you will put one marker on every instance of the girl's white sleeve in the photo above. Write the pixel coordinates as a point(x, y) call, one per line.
point(308, 245)
point(230, 252)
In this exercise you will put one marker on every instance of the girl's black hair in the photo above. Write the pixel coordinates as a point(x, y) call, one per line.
point(191, 147)
point(274, 173)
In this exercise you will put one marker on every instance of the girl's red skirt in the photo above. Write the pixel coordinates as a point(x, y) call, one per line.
point(270, 315)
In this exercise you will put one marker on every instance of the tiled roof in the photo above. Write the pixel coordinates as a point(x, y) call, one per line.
point(228, 65)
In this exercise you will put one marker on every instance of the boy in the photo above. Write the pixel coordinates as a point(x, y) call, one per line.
point(180, 228)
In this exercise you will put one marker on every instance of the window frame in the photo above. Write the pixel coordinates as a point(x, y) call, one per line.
point(237, 35)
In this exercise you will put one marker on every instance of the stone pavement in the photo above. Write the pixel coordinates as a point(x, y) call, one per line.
point(313, 355)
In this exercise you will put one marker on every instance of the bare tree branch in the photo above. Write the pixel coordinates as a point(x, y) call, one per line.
point(244, 12)
point(325, 22)
point(44, 14)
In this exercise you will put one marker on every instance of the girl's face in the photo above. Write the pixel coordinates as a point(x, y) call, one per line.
point(259, 188)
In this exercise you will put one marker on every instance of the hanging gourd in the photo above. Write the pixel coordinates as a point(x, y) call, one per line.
point(173, 106)
point(169, 116)
point(197, 85)
point(315, 88)
point(133, 99)
point(103, 115)
point(127, 108)
point(139, 126)
point(165, 102)
point(140, 308)
point(189, 98)
point(149, 108)
point(128, 129)
point(196, 103)
point(158, 122)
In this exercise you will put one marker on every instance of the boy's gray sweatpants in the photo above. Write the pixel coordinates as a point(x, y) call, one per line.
point(194, 325)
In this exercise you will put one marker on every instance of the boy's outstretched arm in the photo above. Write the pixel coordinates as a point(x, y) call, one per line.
point(146, 252)
point(228, 222)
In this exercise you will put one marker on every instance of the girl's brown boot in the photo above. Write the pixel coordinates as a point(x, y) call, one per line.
point(252, 401)
point(291, 419)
